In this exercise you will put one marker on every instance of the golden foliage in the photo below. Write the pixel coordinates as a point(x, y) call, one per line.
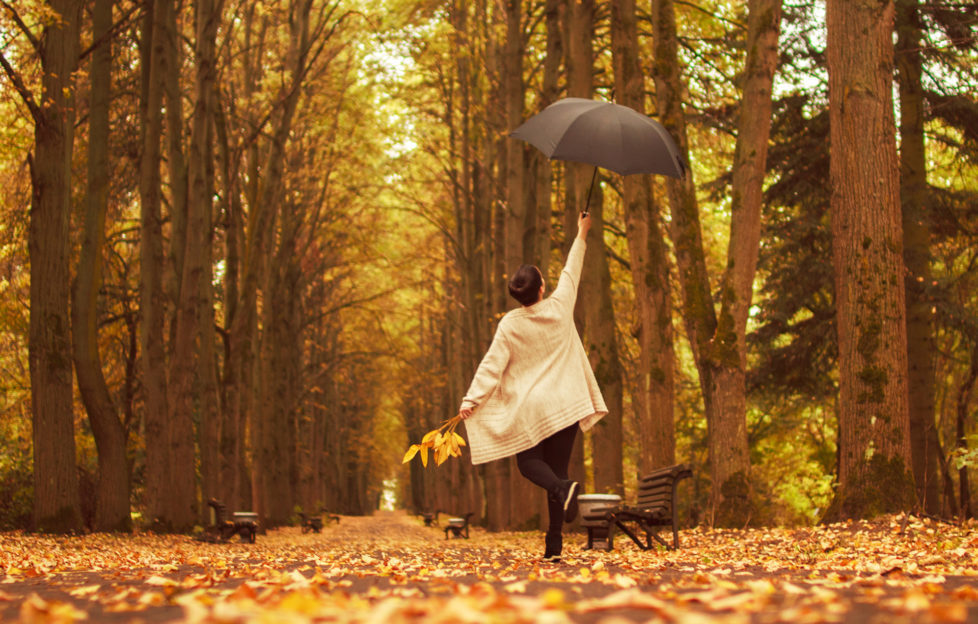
point(443, 442)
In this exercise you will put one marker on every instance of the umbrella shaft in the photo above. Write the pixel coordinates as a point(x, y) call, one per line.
point(590, 188)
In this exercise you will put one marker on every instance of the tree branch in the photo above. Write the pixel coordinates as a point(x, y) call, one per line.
point(35, 43)
point(22, 89)
point(112, 32)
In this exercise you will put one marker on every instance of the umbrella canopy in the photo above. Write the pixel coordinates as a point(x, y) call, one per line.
point(603, 134)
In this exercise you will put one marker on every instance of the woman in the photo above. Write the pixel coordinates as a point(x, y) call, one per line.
point(535, 388)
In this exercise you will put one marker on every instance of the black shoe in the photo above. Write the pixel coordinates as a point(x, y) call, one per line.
point(570, 501)
point(551, 558)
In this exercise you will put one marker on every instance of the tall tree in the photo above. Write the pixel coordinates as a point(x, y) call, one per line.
point(594, 307)
point(56, 500)
point(718, 340)
point(874, 430)
point(186, 364)
point(652, 398)
point(112, 493)
point(152, 300)
point(921, 348)
point(729, 450)
point(310, 44)
point(699, 315)
point(539, 228)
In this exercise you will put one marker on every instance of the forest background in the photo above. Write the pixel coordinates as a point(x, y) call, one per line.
point(249, 251)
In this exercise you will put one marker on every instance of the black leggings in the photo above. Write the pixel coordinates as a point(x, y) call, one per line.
point(546, 465)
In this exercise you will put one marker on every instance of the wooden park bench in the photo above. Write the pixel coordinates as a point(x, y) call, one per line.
point(242, 523)
point(430, 519)
point(310, 523)
point(314, 522)
point(458, 527)
point(655, 508)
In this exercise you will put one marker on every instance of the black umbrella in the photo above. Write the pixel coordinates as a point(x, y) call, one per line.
point(602, 134)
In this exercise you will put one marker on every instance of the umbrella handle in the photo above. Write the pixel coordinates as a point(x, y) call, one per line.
point(590, 188)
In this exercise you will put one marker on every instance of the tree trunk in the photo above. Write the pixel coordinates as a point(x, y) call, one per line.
point(112, 492)
point(187, 366)
point(960, 430)
point(652, 397)
point(211, 417)
point(699, 314)
point(271, 196)
point(874, 430)
point(921, 350)
point(56, 499)
point(513, 95)
point(232, 403)
point(728, 433)
point(175, 160)
point(152, 298)
point(282, 355)
point(594, 308)
point(539, 228)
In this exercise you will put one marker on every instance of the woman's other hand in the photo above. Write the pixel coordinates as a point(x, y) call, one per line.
point(465, 412)
point(583, 225)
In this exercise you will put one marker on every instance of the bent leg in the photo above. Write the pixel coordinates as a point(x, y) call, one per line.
point(557, 450)
point(546, 465)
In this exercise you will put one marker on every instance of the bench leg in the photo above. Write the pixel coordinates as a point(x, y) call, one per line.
point(634, 538)
point(600, 537)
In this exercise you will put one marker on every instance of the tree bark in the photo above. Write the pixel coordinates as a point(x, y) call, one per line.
point(728, 433)
point(187, 365)
point(874, 430)
point(56, 499)
point(152, 297)
point(652, 397)
point(263, 220)
point(921, 349)
point(698, 312)
point(211, 416)
point(540, 228)
point(594, 296)
point(232, 403)
point(965, 509)
point(112, 491)
point(513, 92)
point(175, 159)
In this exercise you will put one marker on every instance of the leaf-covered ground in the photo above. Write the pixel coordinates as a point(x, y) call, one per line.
point(390, 568)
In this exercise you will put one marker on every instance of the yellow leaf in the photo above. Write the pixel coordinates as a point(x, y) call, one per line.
point(458, 439)
point(411, 452)
point(84, 592)
point(441, 454)
point(553, 598)
point(428, 437)
point(424, 456)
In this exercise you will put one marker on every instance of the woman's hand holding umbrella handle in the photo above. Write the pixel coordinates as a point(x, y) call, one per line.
point(583, 225)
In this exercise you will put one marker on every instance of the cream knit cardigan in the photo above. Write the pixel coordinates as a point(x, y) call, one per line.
point(535, 379)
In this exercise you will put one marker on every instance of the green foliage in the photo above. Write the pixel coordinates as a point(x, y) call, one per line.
point(966, 456)
point(16, 476)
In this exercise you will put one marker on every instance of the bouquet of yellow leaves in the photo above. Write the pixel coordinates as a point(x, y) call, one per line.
point(443, 442)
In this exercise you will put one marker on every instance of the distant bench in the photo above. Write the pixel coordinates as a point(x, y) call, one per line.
point(314, 522)
point(242, 523)
point(458, 527)
point(654, 508)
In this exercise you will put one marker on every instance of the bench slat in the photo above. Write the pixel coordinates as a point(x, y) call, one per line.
point(664, 491)
point(655, 496)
